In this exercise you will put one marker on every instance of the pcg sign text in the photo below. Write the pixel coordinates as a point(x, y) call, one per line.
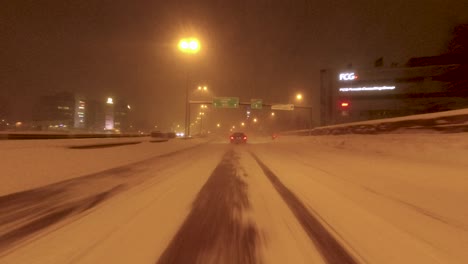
point(348, 76)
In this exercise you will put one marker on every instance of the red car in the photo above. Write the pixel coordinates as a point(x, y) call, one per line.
point(238, 138)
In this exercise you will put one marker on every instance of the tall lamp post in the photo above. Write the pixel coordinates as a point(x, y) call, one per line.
point(201, 121)
point(299, 98)
point(189, 46)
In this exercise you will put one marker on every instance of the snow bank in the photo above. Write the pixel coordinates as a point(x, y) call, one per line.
point(447, 122)
point(437, 148)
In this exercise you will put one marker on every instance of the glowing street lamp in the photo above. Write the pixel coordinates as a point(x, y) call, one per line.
point(218, 125)
point(255, 120)
point(203, 88)
point(273, 114)
point(189, 45)
point(299, 97)
point(242, 124)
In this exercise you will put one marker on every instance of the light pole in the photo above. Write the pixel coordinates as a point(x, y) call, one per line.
point(299, 98)
point(201, 122)
point(201, 125)
point(188, 46)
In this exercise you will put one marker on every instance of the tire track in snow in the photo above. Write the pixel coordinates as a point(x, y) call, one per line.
point(330, 249)
point(216, 231)
point(52, 216)
point(29, 213)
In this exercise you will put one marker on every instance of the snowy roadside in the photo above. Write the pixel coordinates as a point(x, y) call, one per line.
point(33, 163)
point(133, 227)
point(377, 196)
point(408, 189)
point(437, 148)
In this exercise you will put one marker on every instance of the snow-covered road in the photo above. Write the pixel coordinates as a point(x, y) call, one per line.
point(331, 199)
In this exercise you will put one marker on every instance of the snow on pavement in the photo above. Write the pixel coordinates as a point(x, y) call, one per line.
point(382, 198)
point(27, 164)
point(409, 192)
point(133, 227)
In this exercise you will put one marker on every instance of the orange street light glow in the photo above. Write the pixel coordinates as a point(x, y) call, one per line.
point(189, 45)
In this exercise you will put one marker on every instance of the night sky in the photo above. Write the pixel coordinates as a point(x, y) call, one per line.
point(250, 48)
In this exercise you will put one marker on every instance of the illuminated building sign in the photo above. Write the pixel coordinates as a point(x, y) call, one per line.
point(361, 89)
point(348, 76)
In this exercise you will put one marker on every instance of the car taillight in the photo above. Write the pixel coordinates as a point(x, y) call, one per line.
point(232, 137)
point(245, 137)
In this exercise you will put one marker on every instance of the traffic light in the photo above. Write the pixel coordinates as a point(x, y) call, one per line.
point(345, 105)
point(344, 108)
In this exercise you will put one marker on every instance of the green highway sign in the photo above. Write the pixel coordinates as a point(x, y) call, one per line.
point(256, 103)
point(226, 102)
point(287, 107)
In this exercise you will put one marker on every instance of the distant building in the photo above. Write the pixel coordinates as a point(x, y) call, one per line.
point(95, 116)
point(4, 109)
point(122, 116)
point(423, 86)
point(55, 112)
point(109, 113)
point(80, 113)
point(67, 111)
